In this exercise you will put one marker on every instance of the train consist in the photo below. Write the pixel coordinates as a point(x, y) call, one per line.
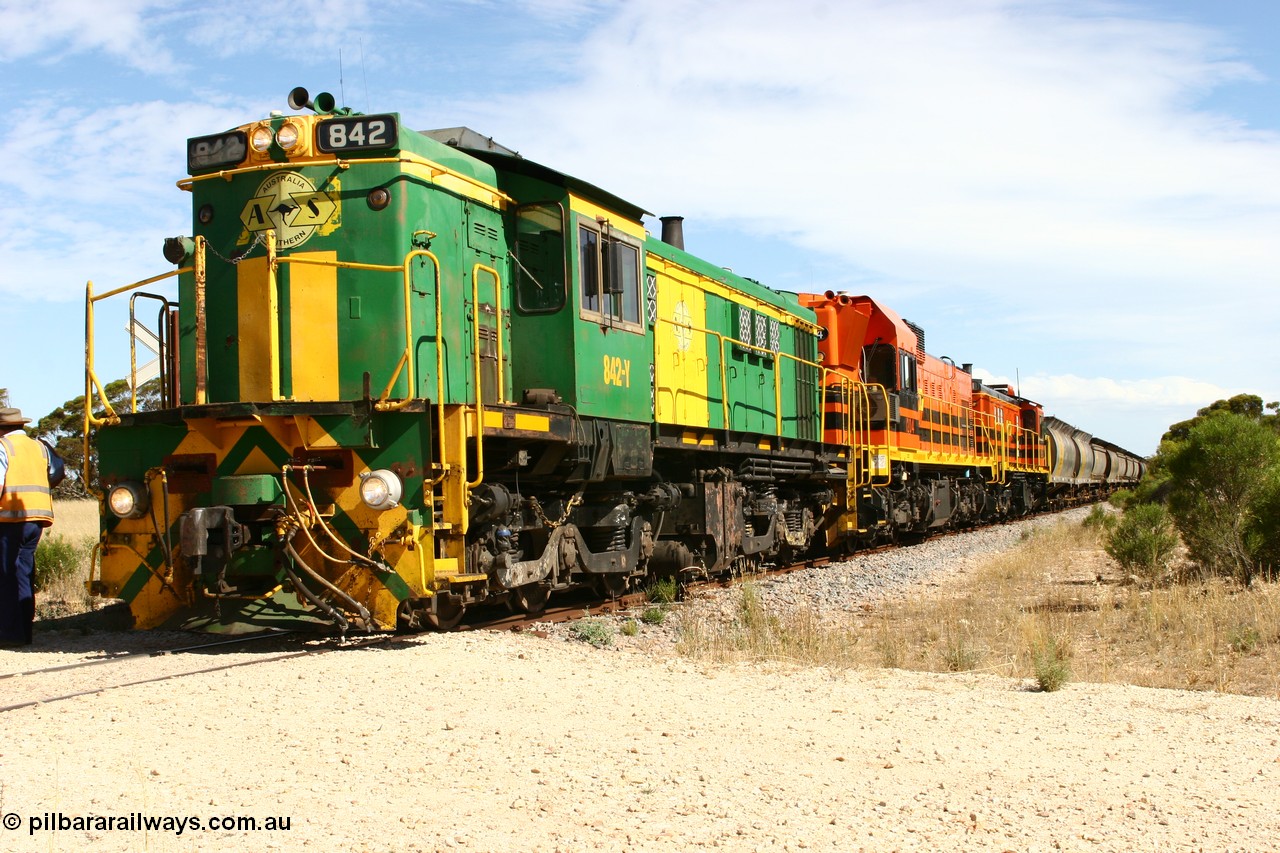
point(408, 372)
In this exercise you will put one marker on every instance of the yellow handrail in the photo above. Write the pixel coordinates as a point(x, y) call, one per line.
point(412, 159)
point(475, 360)
point(501, 392)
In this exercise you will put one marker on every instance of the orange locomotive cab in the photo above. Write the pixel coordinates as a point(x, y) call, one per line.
point(917, 401)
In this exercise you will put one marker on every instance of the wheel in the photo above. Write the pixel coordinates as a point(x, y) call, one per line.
point(530, 598)
point(610, 584)
point(447, 612)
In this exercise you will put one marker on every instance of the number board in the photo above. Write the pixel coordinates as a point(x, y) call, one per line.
point(222, 149)
point(359, 133)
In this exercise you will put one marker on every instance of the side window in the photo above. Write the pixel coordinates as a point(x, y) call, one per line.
point(609, 276)
point(540, 273)
point(589, 268)
point(908, 373)
point(623, 282)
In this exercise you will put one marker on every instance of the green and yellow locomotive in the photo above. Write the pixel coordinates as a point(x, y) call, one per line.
point(404, 372)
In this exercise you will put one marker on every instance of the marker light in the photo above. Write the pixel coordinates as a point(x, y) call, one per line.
point(127, 500)
point(380, 489)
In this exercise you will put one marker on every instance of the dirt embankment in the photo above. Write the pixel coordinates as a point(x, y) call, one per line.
point(501, 742)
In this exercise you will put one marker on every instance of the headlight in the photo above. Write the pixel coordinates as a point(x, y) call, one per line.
point(127, 500)
point(261, 138)
point(380, 489)
point(287, 136)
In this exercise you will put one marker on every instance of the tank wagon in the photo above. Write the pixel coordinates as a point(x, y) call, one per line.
point(406, 372)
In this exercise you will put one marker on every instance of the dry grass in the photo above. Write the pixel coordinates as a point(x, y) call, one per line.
point(1054, 609)
point(76, 522)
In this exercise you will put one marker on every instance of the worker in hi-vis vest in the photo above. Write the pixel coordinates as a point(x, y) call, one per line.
point(26, 509)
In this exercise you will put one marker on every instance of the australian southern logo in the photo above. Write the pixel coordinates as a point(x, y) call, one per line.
point(289, 204)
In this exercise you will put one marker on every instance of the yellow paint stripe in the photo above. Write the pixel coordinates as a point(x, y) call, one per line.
point(443, 176)
point(528, 423)
point(313, 323)
point(257, 332)
point(727, 291)
point(616, 220)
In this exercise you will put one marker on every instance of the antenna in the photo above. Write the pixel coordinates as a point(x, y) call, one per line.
point(342, 86)
point(1017, 377)
point(368, 105)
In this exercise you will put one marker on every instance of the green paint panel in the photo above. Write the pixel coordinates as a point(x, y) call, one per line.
point(247, 489)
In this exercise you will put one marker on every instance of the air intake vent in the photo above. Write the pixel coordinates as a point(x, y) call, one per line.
point(919, 339)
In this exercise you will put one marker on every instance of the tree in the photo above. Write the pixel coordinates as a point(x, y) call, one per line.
point(1224, 485)
point(64, 429)
point(1246, 405)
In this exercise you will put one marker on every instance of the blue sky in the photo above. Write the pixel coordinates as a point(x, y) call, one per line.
point(1082, 197)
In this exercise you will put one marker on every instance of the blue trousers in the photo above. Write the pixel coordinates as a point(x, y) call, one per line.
point(18, 541)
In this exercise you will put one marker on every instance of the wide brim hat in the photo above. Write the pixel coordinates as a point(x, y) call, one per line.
point(12, 417)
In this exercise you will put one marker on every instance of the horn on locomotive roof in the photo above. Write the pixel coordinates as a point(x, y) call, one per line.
point(300, 99)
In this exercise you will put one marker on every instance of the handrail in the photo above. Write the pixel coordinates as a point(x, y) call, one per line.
point(475, 369)
point(501, 391)
point(133, 344)
point(92, 384)
point(406, 360)
point(412, 159)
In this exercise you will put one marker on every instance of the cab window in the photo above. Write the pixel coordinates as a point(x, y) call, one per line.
point(539, 256)
point(609, 277)
point(879, 366)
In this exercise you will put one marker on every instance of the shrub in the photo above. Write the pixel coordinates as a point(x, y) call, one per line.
point(1050, 662)
point(630, 628)
point(1098, 517)
point(57, 558)
point(662, 591)
point(1244, 639)
point(1121, 498)
point(594, 631)
point(959, 654)
point(653, 615)
point(1144, 541)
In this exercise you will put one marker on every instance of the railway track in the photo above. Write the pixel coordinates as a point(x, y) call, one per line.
point(60, 682)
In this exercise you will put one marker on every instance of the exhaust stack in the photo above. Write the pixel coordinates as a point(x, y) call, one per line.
point(673, 231)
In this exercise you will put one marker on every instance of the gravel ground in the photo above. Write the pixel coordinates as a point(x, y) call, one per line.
point(497, 742)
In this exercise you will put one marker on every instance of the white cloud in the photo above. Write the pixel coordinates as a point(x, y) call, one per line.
point(1072, 390)
point(116, 27)
point(104, 211)
point(143, 34)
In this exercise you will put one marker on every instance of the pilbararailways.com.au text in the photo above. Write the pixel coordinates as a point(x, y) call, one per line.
point(139, 822)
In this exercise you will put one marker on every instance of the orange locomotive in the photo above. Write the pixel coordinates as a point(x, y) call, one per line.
point(935, 447)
